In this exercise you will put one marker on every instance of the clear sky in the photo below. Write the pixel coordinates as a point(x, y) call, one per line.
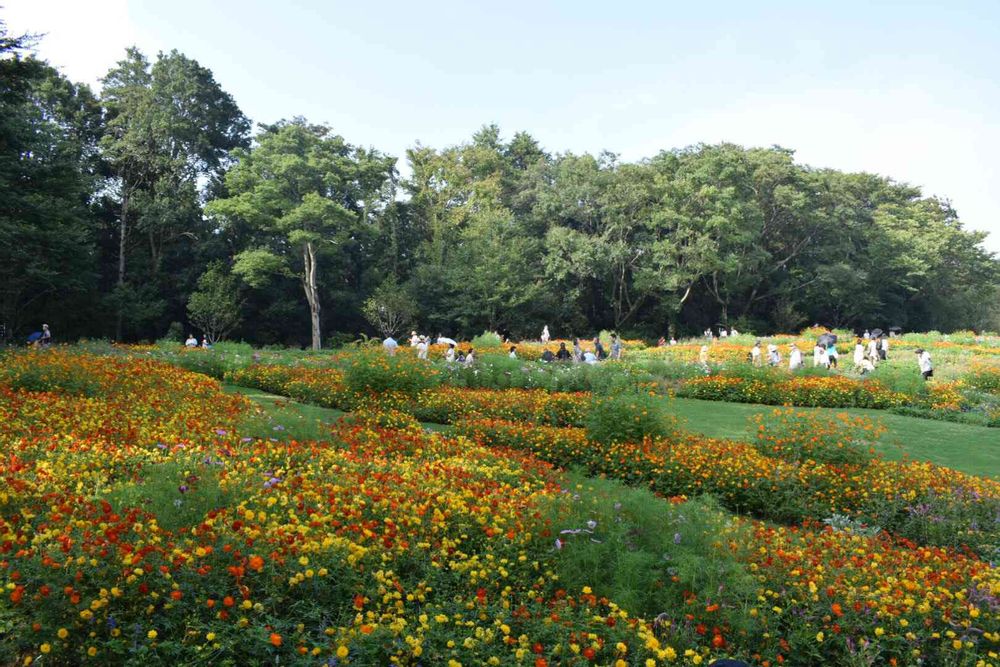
point(909, 89)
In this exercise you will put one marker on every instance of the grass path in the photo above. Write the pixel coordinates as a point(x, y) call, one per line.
point(286, 419)
point(964, 447)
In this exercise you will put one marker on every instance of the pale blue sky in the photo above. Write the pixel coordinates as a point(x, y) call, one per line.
point(907, 89)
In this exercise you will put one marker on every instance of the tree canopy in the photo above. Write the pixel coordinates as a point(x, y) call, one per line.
point(149, 205)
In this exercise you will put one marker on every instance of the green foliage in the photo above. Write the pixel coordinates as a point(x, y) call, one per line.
point(648, 556)
point(178, 493)
point(64, 379)
point(628, 417)
point(390, 309)
point(796, 435)
point(374, 372)
point(487, 339)
point(215, 306)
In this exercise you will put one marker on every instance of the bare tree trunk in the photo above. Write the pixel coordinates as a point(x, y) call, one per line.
point(312, 292)
point(122, 233)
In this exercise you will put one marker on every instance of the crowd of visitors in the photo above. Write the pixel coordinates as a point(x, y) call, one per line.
point(870, 349)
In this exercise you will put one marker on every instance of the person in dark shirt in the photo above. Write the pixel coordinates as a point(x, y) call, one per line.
point(547, 356)
point(563, 353)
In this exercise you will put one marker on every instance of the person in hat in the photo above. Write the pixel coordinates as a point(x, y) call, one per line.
point(924, 361)
point(46, 338)
point(414, 339)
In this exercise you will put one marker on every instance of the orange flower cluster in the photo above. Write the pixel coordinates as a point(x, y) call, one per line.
point(929, 503)
point(832, 391)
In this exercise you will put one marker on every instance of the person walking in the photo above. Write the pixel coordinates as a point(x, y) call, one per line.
point(873, 349)
point(832, 355)
point(755, 357)
point(794, 357)
point(883, 350)
point(924, 361)
point(616, 347)
point(703, 356)
point(577, 350)
point(817, 355)
point(545, 334)
point(423, 345)
point(449, 355)
point(859, 352)
point(390, 346)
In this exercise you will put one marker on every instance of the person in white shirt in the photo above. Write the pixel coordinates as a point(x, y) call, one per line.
point(773, 356)
point(422, 347)
point(545, 334)
point(824, 357)
point(449, 356)
point(673, 341)
point(723, 334)
point(884, 353)
point(470, 358)
point(817, 355)
point(589, 357)
point(755, 354)
point(859, 352)
point(414, 339)
point(390, 346)
point(191, 341)
point(924, 361)
point(703, 355)
point(866, 365)
point(794, 357)
point(734, 332)
point(872, 348)
point(512, 353)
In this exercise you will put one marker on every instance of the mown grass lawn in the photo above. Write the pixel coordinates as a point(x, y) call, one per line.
point(970, 449)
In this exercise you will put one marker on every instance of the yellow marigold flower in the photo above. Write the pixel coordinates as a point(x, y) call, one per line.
point(342, 651)
point(63, 633)
point(152, 634)
point(46, 647)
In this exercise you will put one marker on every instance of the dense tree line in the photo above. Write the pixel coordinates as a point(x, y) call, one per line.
point(152, 207)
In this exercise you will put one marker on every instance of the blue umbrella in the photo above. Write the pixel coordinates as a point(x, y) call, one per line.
point(35, 336)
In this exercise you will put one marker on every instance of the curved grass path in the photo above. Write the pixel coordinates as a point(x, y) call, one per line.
point(963, 447)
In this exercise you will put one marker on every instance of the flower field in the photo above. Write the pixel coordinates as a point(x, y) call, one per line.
point(140, 524)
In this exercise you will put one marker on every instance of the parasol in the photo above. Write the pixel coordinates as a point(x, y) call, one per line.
point(827, 339)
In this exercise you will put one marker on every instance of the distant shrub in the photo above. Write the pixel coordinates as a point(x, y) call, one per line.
point(796, 435)
point(377, 373)
point(628, 417)
point(487, 339)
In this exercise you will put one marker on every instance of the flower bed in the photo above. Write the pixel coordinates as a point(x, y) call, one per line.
point(927, 503)
point(831, 391)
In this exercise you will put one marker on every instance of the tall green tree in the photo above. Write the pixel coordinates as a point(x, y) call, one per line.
point(48, 132)
point(302, 192)
point(169, 127)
